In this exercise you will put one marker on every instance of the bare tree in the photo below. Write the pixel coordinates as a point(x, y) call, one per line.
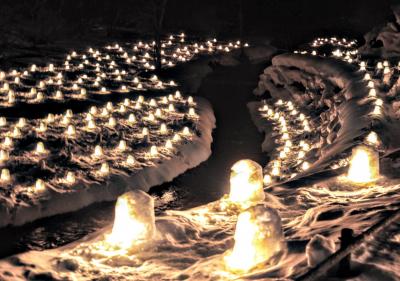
point(158, 7)
point(240, 19)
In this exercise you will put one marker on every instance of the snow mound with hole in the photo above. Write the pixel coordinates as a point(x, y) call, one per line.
point(189, 154)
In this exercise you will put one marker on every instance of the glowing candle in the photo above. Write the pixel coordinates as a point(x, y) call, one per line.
point(134, 221)
point(372, 138)
point(89, 117)
point(176, 138)
point(98, 151)
point(364, 165)
point(186, 131)
point(40, 148)
point(40, 185)
point(42, 127)
point(130, 160)
point(371, 84)
point(163, 128)
point(112, 122)
point(21, 122)
point(378, 102)
point(151, 117)
point(275, 171)
point(3, 121)
point(69, 113)
point(50, 118)
point(153, 151)
point(70, 131)
point(11, 97)
point(122, 145)
point(153, 102)
point(70, 178)
point(192, 112)
point(158, 112)
point(5, 176)
point(104, 169)
point(4, 156)
point(246, 183)
point(59, 95)
point(65, 120)
point(372, 93)
point(104, 112)
point(377, 110)
point(305, 166)
point(267, 179)
point(16, 132)
point(91, 125)
point(7, 142)
point(93, 110)
point(131, 118)
point(258, 237)
point(168, 144)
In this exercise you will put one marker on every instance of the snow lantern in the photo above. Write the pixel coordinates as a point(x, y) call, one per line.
point(246, 183)
point(258, 238)
point(134, 221)
point(364, 165)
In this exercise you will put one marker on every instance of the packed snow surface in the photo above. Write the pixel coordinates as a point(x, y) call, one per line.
point(316, 108)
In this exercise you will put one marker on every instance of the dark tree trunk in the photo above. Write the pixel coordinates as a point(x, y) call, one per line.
point(159, 12)
point(240, 19)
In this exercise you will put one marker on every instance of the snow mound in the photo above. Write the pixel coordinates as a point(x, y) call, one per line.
point(318, 249)
point(59, 198)
point(335, 97)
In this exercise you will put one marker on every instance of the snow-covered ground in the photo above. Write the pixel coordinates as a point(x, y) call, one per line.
point(62, 162)
point(76, 171)
point(316, 107)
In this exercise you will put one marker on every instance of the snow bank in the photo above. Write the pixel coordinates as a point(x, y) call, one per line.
point(190, 154)
point(332, 92)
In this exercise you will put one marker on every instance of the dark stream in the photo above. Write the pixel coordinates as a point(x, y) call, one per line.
point(228, 89)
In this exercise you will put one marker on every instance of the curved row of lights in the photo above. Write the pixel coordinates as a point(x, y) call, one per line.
point(111, 69)
point(93, 143)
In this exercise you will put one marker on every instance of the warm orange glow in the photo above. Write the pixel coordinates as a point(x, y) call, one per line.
point(134, 221)
point(246, 183)
point(364, 165)
point(258, 237)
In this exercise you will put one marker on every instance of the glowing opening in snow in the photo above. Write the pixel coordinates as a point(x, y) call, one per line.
point(258, 237)
point(364, 165)
point(246, 183)
point(372, 138)
point(134, 221)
